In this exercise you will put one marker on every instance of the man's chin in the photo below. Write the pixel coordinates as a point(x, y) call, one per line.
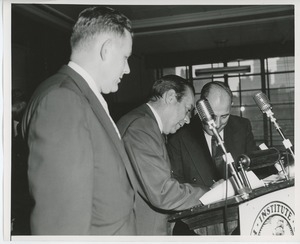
point(115, 90)
point(112, 90)
point(211, 133)
point(116, 87)
point(173, 131)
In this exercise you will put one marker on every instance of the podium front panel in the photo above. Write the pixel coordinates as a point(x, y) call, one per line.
point(267, 201)
point(270, 214)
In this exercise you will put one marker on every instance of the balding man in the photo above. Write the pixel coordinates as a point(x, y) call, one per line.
point(190, 149)
point(143, 131)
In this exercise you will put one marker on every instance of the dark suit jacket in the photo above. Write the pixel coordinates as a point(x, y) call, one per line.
point(77, 163)
point(189, 154)
point(158, 191)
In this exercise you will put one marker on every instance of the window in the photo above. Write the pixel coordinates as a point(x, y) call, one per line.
point(273, 76)
point(280, 90)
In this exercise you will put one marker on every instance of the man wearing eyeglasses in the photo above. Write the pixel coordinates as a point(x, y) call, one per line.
point(143, 131)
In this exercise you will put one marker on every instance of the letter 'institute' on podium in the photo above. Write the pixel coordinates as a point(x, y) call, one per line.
point(267, 209)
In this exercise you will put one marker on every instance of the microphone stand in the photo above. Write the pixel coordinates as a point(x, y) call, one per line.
point(244, 192)
point(206, 114)
point(238, 182)
point(286, 142)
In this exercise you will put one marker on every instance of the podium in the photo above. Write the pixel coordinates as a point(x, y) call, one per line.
point(268, 210)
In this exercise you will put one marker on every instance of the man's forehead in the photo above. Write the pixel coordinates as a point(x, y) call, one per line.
point(221, 109)
point(220, 105)
point(189, 99)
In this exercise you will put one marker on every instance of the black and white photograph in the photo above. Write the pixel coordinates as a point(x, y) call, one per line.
point(149, 121)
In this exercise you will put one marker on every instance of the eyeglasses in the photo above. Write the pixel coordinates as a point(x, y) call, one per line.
point(189, 112)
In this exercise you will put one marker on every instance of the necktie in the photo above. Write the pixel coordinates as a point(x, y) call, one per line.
point(217, 156)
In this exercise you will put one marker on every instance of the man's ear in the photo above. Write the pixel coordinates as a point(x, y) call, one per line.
point(105, 48)
point(170, 96)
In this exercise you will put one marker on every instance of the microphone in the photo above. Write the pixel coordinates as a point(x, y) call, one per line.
point(263, 103)
point(207, 116)
point(206, 113)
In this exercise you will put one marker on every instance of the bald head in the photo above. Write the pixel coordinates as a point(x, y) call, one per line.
point(219, 97)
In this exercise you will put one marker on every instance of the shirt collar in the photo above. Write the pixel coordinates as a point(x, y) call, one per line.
point(92, 84)
point(84, 74)
point(157, 117)
point(221, 133)
point(90, 81)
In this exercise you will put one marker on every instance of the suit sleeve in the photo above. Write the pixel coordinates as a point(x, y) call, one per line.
point(60, 165)
point(146, 152)
point(174, 151)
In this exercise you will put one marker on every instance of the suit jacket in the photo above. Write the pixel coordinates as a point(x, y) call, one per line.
point(190, 157)
point(158, 191)
point(77, 164)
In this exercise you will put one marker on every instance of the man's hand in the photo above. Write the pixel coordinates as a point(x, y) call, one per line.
point(217, 183)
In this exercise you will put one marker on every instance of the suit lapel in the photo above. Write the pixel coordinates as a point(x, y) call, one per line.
point(102, 118)
point(95, 104)
point(206, 152)
point(229, 136)
point(204, 142)
point(199, 152)
point(149, 112)
point(233, 138)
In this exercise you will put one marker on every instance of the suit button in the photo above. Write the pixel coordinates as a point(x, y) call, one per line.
point(194, 179)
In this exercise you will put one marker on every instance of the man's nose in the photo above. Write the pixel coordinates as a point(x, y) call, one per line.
point(218, 121)
point(126, 68)
point(187, 119)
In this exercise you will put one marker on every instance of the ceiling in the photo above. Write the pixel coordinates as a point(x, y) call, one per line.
point(181, 28)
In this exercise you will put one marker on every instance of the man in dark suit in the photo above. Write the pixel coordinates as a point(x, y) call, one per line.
point(78, 168)
point(143, 131)
point(190, 149)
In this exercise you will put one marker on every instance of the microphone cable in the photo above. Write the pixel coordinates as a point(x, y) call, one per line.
point(226, 196)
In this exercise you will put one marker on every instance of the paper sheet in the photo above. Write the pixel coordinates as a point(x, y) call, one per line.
point(218, 193)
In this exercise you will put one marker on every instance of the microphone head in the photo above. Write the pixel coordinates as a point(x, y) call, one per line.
point(204, 111)
point(262, 102)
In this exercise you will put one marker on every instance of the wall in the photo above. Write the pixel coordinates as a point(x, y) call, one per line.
point(39, 50)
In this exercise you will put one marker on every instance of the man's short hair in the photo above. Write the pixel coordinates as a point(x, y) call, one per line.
point(215, 84)
point(168, 82)
point(95, 20)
